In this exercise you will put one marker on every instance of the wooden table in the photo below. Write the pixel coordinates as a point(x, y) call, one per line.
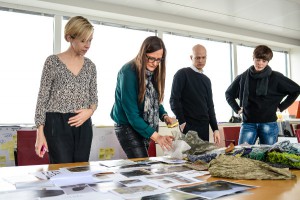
point(267, 189)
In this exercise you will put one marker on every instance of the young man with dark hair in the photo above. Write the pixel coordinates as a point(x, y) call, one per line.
point(261, 91)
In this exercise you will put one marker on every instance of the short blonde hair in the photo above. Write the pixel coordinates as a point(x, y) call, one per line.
point(78, 27)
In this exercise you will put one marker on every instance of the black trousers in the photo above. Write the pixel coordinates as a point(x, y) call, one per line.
point(133, 144)
point(201, 127)
point(67, 144)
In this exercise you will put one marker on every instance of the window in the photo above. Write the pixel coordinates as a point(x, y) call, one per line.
point(245, 60)
point(179, 49)
point(27, 39)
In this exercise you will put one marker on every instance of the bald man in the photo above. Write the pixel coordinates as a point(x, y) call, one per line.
point(191, 98)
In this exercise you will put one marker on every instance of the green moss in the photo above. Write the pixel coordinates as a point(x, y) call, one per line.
point(284, 158)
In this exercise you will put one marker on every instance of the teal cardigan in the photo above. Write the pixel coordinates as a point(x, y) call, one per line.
point(126, 109)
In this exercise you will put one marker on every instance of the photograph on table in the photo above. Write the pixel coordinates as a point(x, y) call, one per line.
point(216, 189)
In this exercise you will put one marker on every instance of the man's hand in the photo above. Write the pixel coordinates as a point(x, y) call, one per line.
point(217, 137)
point(182, 126)
point(240, 111)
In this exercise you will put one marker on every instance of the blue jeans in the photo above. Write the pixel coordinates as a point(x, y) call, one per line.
point(266, 132)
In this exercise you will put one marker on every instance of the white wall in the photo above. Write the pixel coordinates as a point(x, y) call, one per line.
point(295, 64)
point(105, 145)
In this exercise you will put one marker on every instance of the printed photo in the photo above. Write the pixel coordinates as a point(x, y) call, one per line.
point(79, 188)
point(130, 182)
point(215, 189)
point(172, 195)
point(169, 169)
point(79, 169)
point(138, 172)
point(105, 186)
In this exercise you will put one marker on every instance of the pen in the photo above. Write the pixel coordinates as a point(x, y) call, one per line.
point(43, 150)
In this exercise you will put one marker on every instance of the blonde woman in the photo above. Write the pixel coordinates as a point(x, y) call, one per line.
point(68, 98)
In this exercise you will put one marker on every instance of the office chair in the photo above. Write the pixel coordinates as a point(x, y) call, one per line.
point(152, 149)
point(231, 135)
point(26, 149)
point(297, 134)
point(294, 128)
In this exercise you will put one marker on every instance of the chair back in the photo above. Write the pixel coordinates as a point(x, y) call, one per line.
point(297, 133)
point(26, 149)
point(152, 149)
point(292, 129)
point(231, 135)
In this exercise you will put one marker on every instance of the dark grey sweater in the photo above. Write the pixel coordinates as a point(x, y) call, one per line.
point(262, 109)
point(191, 97)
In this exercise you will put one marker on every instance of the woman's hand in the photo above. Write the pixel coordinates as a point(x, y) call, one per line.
point(41, 146)
point(171, 121)
point(165, 142)
point(81, 117)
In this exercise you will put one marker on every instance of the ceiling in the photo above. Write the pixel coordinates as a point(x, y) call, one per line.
point(275, 20)
point(278, 17)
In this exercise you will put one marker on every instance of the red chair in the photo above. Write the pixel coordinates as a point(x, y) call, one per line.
point(25, 149)
point(292, 128)
point(152, 149)
point(231, 135)
point(297, 133)
point(297, 126)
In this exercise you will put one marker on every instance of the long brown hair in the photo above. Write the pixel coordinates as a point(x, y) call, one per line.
point(150, 45)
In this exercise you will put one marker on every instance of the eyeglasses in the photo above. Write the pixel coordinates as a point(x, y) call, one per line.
point(152, 60)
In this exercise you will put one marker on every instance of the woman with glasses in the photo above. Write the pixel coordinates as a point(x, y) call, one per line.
point(138, 97)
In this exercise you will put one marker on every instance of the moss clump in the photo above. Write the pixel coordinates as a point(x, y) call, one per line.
point(291, 160)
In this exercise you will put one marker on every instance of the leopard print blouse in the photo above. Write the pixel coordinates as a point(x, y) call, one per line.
point(61, 91)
